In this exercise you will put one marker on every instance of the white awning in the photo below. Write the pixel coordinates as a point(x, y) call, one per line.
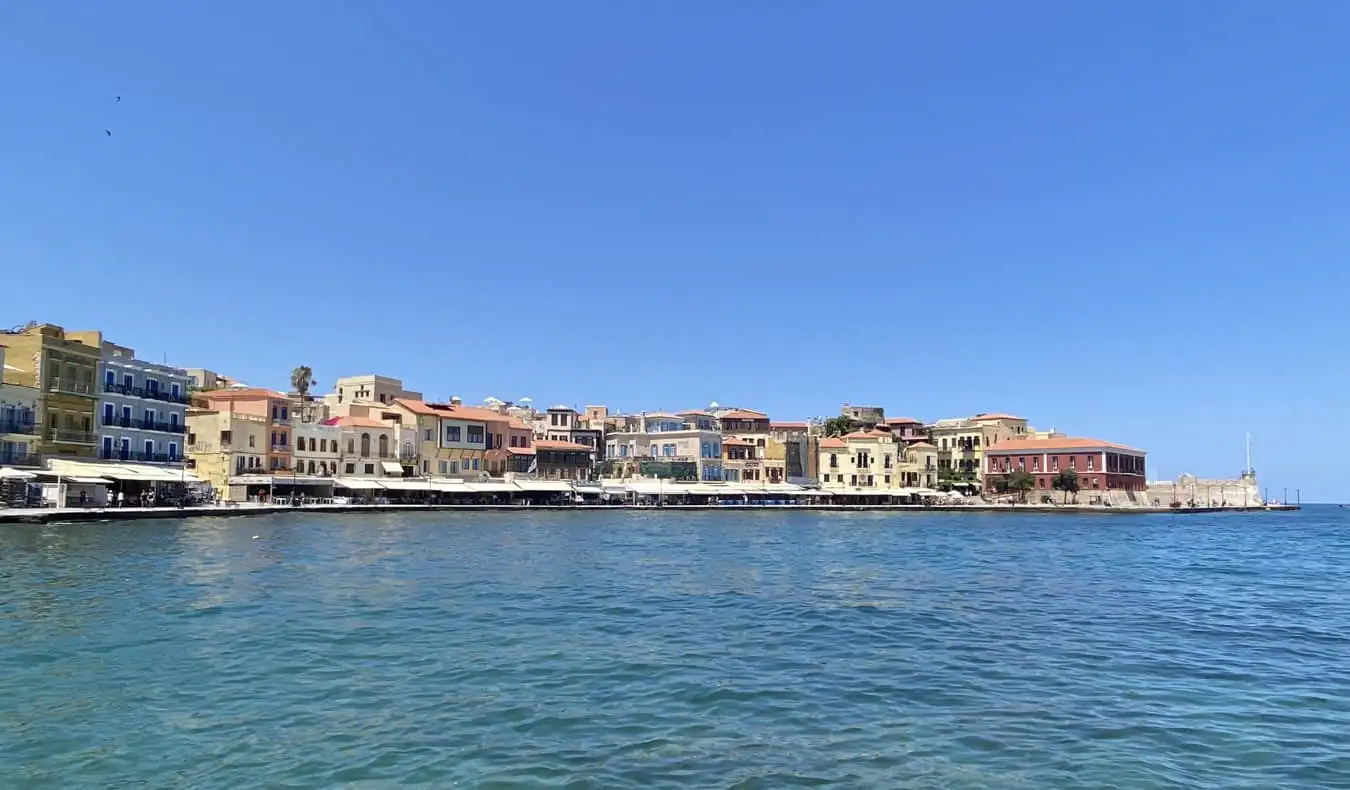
point(392, 468)
point(494, 487)
point(10, 473)
point(451, 486)
point(89, 480)
point(357, 483)
point(407, 485)
point(544, 485)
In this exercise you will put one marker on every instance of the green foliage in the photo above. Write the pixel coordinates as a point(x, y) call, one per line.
point(302, 380)
point(838, 426)
point(1021, 481)
point(1066, 481)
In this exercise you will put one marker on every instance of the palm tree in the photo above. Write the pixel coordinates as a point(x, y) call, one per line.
point(302, 381)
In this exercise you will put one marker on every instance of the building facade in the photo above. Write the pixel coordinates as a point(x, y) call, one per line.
point(961, 443)
point(871, 460)
point(746, 456)
point(315, 453)
point(225, 444)
point(367, 447)
point(664, 446)
point(142, 408)
point(799, 450)
point(18, 420)
point(63, 371)
point(1097, 465)
point(556, 460)
point(274, 408)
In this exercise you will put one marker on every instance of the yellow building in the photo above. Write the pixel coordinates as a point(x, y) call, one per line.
point(961, 443)
point(225, 444)
point(19, 425)
point(871, 461)
point(63, 371)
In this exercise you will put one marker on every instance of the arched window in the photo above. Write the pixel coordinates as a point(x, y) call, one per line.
point(365, 445)
point(384, 446)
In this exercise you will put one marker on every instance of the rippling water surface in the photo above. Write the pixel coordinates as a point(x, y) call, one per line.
point(678, 650)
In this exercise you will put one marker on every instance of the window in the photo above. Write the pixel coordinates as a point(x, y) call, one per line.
point(454, 467)
point(869, 480)
point(365, 445)
point(284, 415)
point(452, 433)
point(109, 378)
point(351, 469)
point(173, 451)
point(173, 421)
point(668, 450)
point(475, 464)
point(311, 467)
point(475, 434)
point(1089, 463)
point(853, 480)
point(176, 389)
point(370, 469)
point(888, 464)
point(427, 435)
point(1073, 462)
point(834, 461)
point(274, 438)
point(149, 448)
point(107, 414)
point(148, 419)
point(351, 445)
point(128, 382)
point(384, 446)
point(426, 466)
point(285, 438)
point(251, 439)
point(444, 465)
point(887, 479)
point(1054, 463)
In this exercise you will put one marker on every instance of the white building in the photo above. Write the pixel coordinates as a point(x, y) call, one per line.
point(315, 450)
point(142, 409)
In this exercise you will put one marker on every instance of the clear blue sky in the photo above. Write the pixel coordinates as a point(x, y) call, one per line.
point(1125, 220)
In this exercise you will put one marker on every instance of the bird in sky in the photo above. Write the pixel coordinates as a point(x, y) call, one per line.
point(119, 98)
point(105, 131)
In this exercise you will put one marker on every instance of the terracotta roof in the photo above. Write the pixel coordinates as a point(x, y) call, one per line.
point(867, 435)
point(923, 446)
point(546, 444)
point(246, 393)
point(418, 407)
point(736, 441)
point(1015, 446)
point(833, 443)
point(520, 450)
point(745, 414)
point(696, 412)
point(903, 421)
point(789, 425)
point(356, 422)
point(512, 422)
point(452, 412)
point(983, 417)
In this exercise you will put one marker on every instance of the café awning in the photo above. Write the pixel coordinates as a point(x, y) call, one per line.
point(392, 468)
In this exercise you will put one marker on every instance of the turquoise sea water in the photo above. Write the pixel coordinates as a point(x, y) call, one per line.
point(750, 650)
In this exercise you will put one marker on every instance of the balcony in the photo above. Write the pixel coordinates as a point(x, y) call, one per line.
point(68, 436)
point(15, 426)
point(144, 458)
point(115, 421)
point(281, 448)
point(149, 394)
point(69, 386)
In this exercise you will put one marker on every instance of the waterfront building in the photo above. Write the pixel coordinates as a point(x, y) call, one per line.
point(664, 446)
point(798, 448)
point(745, 443)
point(701, 420)
point(555, 460)
point(961, 443)
point(18, 419)
point(316, 448)
point(367, 447)
point(223, 443)
point(1099, 466)
point(273, 407)
point(142, 406)
point(872, 461)
point(520, 453)
point(63, 371)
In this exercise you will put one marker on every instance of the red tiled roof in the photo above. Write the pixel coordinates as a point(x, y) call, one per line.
point(356, 422)
point(903, 421)
point(923, 446)
point(736, 441)
point(1017, 446)
point(696, 412)
point(452, 412)
point(868, 434)
point(983, 417)
point(547, 444)
point(520, 450)
point(745, 414)
point(833, 443)
point(419, 407)
point(789, 425)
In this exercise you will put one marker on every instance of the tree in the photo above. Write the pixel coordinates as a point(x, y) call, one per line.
point(302, 380)
point(843, 424)
point(1021, 481)
point(1067, 481)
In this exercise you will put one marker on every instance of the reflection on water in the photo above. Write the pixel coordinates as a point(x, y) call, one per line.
point(663, 649)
